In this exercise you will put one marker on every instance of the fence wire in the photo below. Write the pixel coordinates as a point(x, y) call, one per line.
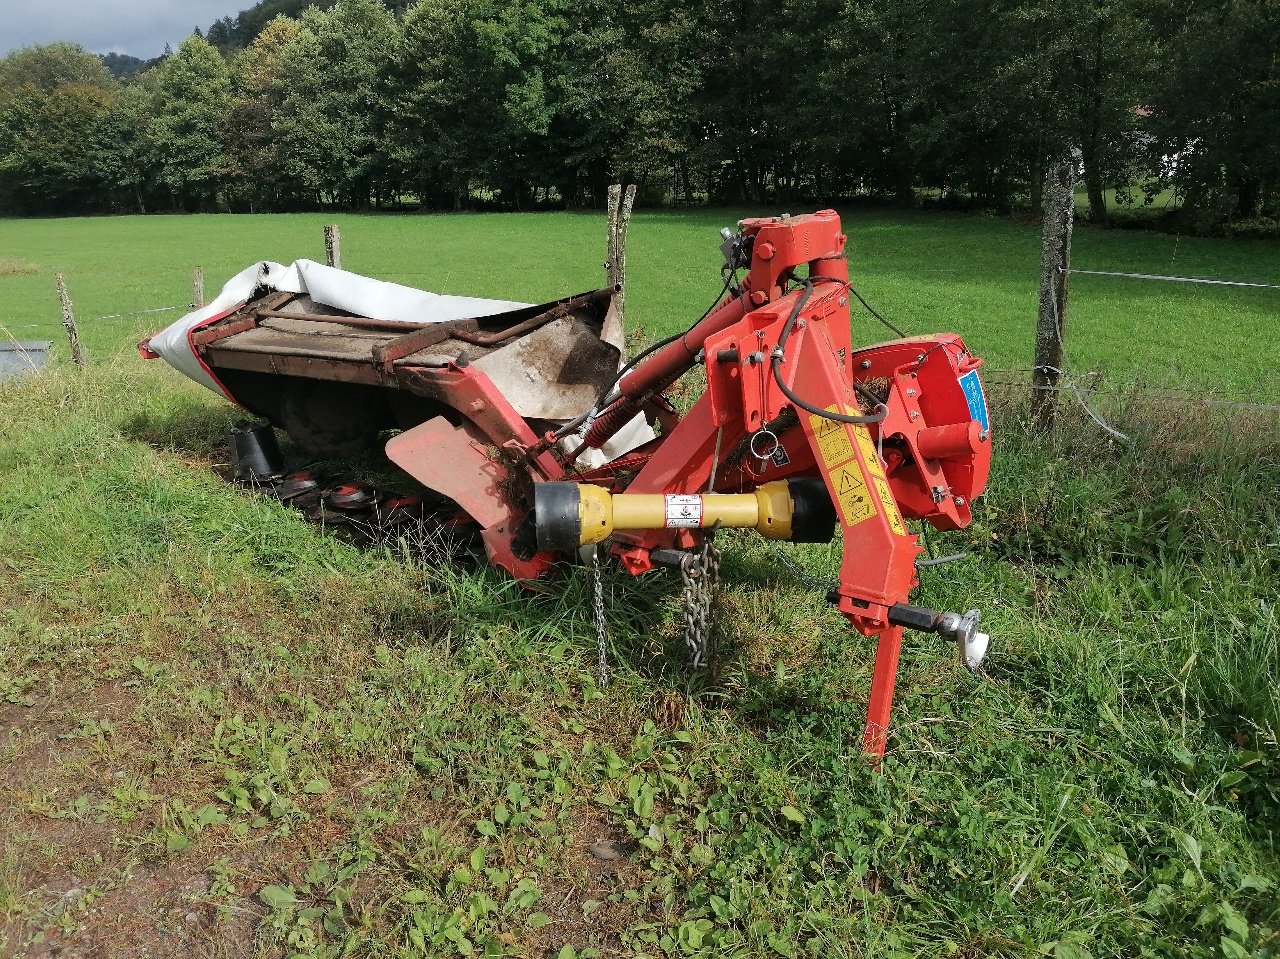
point(1177, 279)
point(1073, 384)
point(1204, 398)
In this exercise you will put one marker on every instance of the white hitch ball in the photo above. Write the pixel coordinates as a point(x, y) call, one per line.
point(970, 641)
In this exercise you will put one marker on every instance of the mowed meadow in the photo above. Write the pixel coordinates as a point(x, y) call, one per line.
point(224, 732)
point(975, 275)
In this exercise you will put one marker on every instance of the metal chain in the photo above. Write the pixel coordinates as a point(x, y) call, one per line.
point(798, 571)
point(597, 588)
point(700, 573)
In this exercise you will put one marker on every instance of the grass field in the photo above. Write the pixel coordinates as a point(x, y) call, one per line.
point(225, 733)
point(975, 275)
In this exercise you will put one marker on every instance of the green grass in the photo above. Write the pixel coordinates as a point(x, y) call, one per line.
point(223, 732)
point(1162, 202)
point(974, 275)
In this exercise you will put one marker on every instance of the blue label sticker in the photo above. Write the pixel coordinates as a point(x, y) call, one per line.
point(977, 402)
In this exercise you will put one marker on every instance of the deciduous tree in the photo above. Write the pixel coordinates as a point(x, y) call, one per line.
point(191, 92)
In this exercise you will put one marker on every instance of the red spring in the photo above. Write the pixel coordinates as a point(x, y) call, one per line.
point(609, 422)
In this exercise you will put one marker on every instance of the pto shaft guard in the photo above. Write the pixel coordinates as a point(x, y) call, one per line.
point(569, 515)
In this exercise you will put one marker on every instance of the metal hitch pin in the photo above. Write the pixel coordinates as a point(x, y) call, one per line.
point(971, 642)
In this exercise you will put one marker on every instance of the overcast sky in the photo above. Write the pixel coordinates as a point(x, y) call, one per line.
point(137, 27)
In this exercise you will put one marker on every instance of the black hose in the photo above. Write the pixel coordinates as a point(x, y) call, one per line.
point(605, 398)
point(780, 351)
point(871, 310)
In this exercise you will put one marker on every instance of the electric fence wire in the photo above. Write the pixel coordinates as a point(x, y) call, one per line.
point(1177, 279)
point(158, 309)
point(94, 319)
point(1187, 395)
point(1071, 381)
point(1201, 394)
point(1204, 397)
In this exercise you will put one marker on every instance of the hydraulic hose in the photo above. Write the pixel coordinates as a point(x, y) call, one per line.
point(779, 354)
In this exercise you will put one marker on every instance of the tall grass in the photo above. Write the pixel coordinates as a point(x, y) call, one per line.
point(309, 727)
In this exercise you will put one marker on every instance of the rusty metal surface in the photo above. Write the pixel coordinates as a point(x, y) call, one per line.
point(555, 372)
point(546, 362)
point(232, 326)
point(386, 354)
point(560, 310)
point(356, 322)
point(308, 367)
point(288, 341)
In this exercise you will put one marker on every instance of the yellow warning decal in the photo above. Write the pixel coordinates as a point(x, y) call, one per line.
point(856, 504)
point(868, 447)
point(890, 504)
point(852, 494)
point(833, 440)
point(876, 470)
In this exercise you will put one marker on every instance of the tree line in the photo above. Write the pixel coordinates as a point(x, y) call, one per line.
point(516, 104)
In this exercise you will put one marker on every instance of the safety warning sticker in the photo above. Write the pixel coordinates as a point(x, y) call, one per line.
point(890, 504)
point(869, 451)
point(852, 494)
point(684, 510)
point(872, 456)
point(833, 438)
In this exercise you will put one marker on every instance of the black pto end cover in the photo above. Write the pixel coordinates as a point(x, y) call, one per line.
point(555, 508)
point(813, 516)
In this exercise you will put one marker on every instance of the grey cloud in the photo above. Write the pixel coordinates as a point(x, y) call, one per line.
point(137, 27)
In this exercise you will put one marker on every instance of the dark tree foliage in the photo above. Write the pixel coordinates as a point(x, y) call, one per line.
point(241, 30)
point(123, 66)
point(1215, 106)
point(512, 104)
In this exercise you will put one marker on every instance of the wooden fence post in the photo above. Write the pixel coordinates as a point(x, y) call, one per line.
point(620, 205)
point(611, 234)
point(69, 321)
point(333, 247)
point(1055, 261)
point(197, 288)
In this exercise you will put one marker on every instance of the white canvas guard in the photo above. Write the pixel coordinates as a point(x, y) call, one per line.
point(358, 295)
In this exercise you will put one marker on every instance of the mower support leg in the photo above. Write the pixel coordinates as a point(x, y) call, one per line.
point(888, 648)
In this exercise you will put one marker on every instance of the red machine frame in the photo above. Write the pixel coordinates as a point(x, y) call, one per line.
point(910, 438)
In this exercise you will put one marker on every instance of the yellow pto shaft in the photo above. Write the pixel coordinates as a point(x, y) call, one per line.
point(569, 515)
